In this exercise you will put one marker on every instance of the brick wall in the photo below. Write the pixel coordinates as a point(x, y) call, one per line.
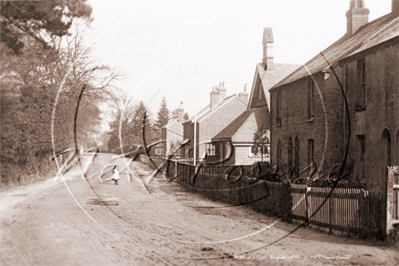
point(258, 102)
point(242, 156)
point(173, 133)
point(381, 110)
point(295, 122)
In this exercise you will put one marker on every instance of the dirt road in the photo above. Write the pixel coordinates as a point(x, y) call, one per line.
point(53, 224)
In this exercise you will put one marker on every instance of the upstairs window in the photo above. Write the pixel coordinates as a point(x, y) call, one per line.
point(296, 157)
point(290, 166)
point(311, 86)
point(278, 109)
point(361, 85)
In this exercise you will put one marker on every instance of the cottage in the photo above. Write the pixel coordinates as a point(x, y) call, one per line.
point(172, 133)
point(210, 120)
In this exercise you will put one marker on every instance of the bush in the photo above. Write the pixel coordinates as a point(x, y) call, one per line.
point(36, 169)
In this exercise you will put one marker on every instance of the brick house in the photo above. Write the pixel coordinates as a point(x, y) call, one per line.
point(241, 131)
point(371, 83)
point(172, 133)
point(210, 120)
point(307, 107)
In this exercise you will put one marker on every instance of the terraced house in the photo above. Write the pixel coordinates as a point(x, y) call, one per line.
point(308, 113)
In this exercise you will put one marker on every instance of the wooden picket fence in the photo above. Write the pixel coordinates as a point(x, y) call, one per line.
point(392, 214)
point(344, 211)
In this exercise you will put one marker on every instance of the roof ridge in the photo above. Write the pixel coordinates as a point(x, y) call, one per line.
point(344, 46)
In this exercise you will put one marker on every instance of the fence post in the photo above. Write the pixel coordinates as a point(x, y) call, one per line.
point(390, 199)
point(331, 211)
point(176, 173)
point(308, 213)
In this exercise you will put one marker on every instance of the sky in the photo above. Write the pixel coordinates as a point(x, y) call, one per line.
point(181, 49)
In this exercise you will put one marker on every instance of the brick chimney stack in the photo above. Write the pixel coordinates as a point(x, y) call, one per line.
point(222, 90)
point(267, 42)
point(214, 98)
point(395, 7)
point(180, 112)
point(244, 95)
point(357, 16)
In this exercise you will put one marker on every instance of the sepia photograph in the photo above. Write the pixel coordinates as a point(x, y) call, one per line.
point(150, 132)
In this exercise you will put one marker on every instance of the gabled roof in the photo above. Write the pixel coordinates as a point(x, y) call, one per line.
point(368, 35)
point(204, 112)
point(171, 121)
point(270, 78)
point(261, 118)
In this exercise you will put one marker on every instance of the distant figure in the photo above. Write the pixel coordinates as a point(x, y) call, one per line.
point(115, 175)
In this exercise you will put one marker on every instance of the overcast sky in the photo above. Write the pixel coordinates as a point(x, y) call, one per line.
point(181, 49)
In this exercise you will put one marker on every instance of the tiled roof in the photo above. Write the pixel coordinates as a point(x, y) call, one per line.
point(261, 118)
point(368, 35)
point(207, 110)
point(270, 78)
point(171, 121)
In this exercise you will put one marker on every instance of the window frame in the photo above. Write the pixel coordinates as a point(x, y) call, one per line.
point(361, 85)
point(278, 108)
point(210, 149)
point(311, 87)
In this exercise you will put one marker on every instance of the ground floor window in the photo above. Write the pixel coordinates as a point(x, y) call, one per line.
point(210, 149)
point(258, 151)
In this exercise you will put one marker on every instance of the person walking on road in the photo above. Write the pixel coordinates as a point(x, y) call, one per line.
point(115, 175)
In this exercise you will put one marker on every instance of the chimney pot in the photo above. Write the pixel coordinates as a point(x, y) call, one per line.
point(267, 42)
point(215, 97)
point(357, 16)
point(244, 95)
point(395, 7)
point(222, 90)
point(180, 112)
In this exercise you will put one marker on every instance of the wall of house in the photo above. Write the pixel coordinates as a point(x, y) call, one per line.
point(381, 112)
point(174, 134)
point(242, 156)
point(257, 101)
point(218, 120)
point(188, 133)
point(246, 132)
point(327, 124)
